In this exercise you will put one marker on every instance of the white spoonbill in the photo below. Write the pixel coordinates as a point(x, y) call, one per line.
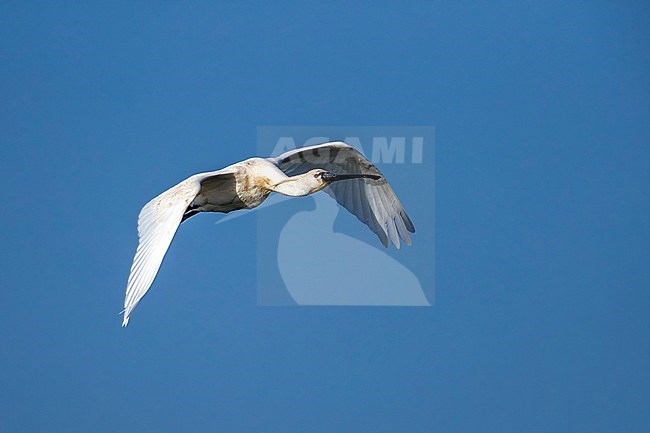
point(246, 184)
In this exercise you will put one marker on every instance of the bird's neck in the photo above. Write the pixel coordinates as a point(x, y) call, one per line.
point(294, 186)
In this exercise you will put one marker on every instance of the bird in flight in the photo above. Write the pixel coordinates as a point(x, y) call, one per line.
point(336, 167)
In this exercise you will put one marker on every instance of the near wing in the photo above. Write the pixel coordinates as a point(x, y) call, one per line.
point(372, 201)
point(157, 224)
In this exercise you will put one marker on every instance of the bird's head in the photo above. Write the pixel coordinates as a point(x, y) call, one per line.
point(320, 178)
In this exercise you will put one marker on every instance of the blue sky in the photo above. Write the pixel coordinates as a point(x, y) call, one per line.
point(540, 321)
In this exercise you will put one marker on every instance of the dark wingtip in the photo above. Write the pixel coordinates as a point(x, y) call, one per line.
point(407, 222)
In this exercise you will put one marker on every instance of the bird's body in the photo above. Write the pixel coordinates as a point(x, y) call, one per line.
point(246, 184)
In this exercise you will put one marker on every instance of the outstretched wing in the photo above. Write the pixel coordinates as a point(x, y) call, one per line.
point(157, 223)
point(373, 202)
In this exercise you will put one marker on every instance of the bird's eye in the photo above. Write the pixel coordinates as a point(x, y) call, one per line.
point(317, 175)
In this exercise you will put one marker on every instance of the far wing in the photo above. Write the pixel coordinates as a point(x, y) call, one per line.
point(157, 223)
point(373, 202)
